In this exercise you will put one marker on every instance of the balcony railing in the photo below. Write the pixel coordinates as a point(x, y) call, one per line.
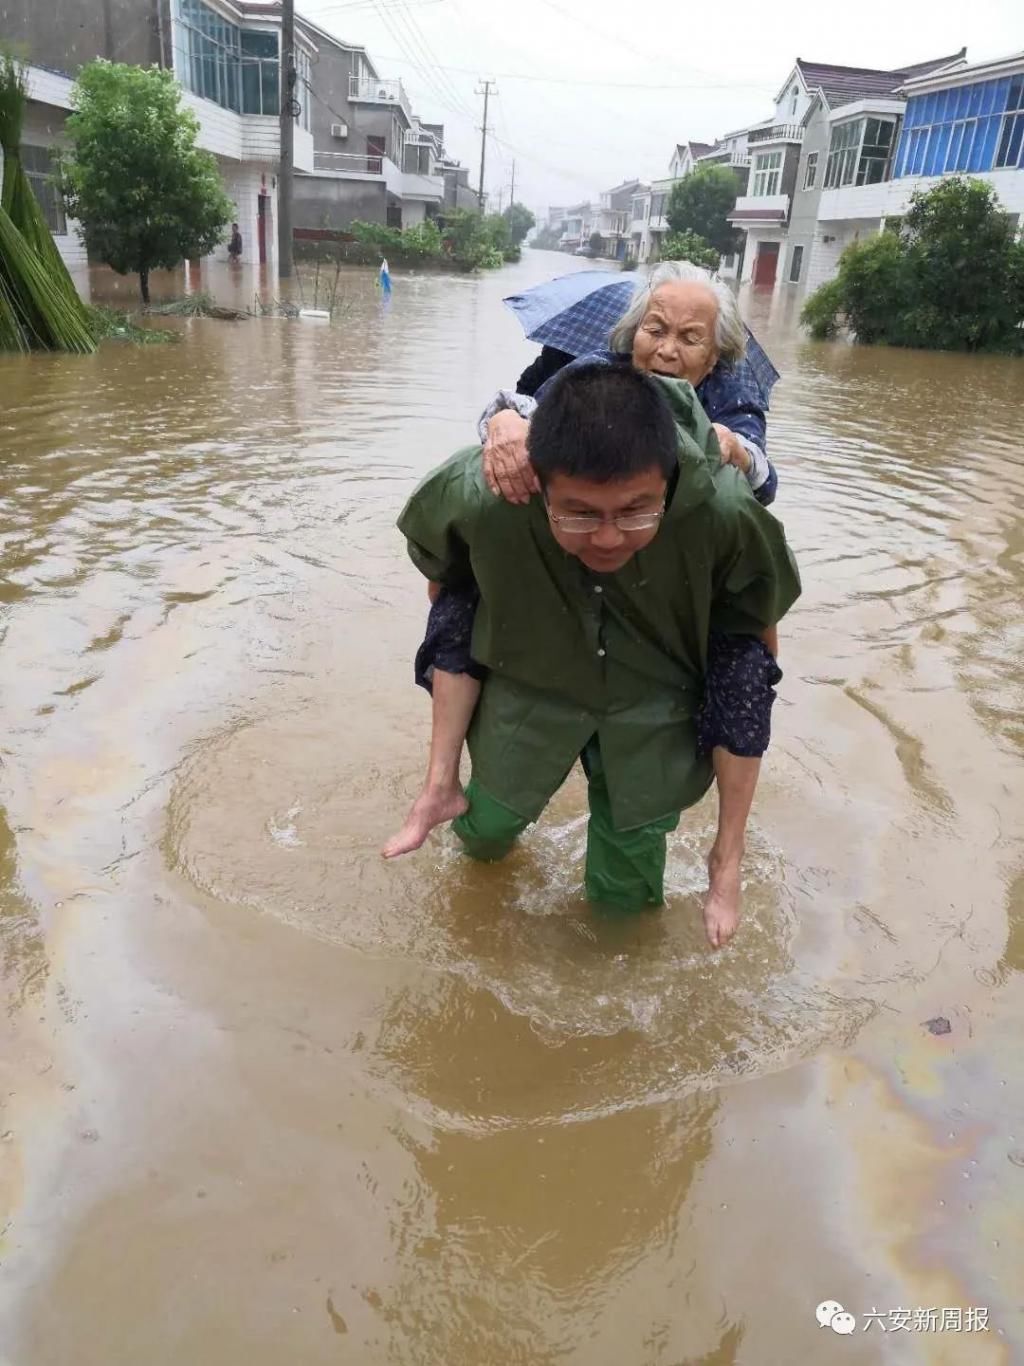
point(379, 92)
point(423, 140)
point(726, 158)
point(348, 163)
point(778, 132)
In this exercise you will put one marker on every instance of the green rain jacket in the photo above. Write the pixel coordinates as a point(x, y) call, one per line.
point(572, 654)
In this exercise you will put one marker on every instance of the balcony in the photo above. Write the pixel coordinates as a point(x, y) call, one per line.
point(379, 92)
point(428, 188)
point(726, 158)
point(778, 132)
point(422, 139)
point(764, 209)
point(856, 201)
point(356, 166)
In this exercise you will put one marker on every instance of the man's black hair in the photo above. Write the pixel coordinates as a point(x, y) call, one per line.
point(602, 422)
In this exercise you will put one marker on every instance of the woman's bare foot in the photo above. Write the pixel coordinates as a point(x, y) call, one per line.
point(722, 903)
point(433, 807)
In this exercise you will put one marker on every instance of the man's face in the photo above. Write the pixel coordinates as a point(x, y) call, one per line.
point(605, 548)
point(676, 336)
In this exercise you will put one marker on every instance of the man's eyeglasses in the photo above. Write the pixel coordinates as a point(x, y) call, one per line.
point(585, 524)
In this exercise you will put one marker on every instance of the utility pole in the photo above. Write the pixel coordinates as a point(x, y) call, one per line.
point(512, 194)
point(289, 109)
point(486, 92)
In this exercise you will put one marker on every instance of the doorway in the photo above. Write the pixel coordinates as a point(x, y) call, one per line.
point(262, 220)
point(766, 263)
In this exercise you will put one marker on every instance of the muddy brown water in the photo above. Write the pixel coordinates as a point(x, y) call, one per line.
point(268, 1100)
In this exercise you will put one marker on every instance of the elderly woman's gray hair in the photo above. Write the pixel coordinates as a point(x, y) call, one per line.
point(730, 334)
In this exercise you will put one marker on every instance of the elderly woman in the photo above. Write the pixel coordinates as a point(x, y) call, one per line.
point(682, 324)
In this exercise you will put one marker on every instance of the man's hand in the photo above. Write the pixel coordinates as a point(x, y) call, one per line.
point(733, 450)
point(507, 466)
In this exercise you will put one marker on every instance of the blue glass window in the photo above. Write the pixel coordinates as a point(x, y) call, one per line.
point(966, 128)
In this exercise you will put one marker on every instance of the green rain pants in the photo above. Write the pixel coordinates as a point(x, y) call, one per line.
point(625, 868)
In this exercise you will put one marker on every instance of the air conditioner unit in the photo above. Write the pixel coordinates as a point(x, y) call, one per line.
point(339, 130)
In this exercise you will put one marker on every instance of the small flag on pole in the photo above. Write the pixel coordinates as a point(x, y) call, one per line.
point(384, 278)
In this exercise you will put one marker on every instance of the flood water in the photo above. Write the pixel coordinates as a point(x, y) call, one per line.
point(267, 1099)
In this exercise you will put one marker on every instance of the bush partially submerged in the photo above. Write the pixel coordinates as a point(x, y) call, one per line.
point(950, 278)
point(112, 324)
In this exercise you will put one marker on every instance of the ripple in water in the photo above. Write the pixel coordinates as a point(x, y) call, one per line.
point(613, 1011)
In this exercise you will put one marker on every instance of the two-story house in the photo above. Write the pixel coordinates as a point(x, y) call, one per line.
point(614, 217)
point(773, 146)
point(226, 56)
point(373, 158)
point(850, 135)
point(579, 219)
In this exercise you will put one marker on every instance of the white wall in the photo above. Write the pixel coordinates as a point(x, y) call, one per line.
point(220, 131)
point(1008, 184)
point(413, 211)
point(824, 255)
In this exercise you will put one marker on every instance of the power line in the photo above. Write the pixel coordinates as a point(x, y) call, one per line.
point(604, 85)
point(357, 5)
point(420, 37)
point(616, 39)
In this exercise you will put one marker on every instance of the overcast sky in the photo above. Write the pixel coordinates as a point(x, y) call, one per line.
point(591, 92)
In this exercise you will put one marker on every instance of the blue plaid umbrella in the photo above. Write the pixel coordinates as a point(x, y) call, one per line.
point(575, 313)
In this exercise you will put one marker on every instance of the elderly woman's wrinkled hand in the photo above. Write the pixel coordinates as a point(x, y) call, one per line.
point(733, 450)
point(507, 466)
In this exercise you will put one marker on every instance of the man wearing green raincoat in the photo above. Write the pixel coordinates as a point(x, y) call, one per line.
point(597, 600)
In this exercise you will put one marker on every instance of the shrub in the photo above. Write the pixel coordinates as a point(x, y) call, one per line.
point(820, 313)
point(949, 276)
point(687, 246)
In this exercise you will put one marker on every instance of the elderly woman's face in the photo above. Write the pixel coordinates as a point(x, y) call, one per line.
point(676, 336)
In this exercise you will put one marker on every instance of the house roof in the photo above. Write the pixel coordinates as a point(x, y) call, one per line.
point(939, 77)
point(843, 84)
point(697, 149)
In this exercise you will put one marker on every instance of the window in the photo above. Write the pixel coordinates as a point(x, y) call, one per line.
point(259, 73)
point(811, 171)
point(967, 128)
point(794, 96)
point(767, 174)
point(796, 261)
point(376, 150)
point(38, 164)
point(657, 205)
point(858, 152)
point(874, 152)
point(1012, 134)
point(235, 68)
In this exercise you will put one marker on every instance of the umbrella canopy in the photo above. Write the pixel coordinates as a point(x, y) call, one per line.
point(575, 313)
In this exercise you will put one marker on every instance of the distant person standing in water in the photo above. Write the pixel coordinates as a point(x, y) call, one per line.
point(235, 245)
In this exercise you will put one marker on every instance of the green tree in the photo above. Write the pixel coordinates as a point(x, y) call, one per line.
point(964, 268)
point(950, 277)
point(699, 203)
point(147, 198)
point(687, 246)
point(520, 220)
point(596, 244)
